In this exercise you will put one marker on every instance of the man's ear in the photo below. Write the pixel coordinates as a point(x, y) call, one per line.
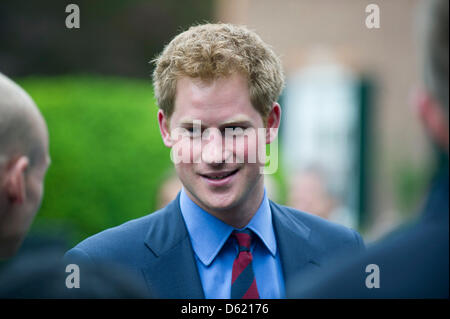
point(273, 123)
point(432, 117)
point(15, 187)
point(163, 122)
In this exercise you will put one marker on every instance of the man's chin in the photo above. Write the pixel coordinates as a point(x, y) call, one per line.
point(218, 202)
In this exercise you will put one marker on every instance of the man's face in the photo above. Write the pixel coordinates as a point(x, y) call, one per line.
point(218, 175)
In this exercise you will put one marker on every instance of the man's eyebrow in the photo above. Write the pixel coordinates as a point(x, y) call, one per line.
point(237, 123)
point(188, 121)
point(231, 122)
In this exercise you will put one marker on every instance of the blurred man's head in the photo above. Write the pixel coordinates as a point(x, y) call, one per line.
point(309, 192)
point(432, 101)
point(24, 160)
point(170, 186)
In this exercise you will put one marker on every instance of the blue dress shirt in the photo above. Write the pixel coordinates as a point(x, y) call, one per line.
point(215, 251)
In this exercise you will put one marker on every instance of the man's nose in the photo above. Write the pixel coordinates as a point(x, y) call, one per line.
point(213, 150)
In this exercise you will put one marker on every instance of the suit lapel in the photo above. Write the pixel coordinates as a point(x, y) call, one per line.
point(173, 272)
point(296, 254)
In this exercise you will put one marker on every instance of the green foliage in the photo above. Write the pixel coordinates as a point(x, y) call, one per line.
point(106, 151)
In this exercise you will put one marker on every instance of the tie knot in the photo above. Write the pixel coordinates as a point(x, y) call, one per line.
point(244, 239)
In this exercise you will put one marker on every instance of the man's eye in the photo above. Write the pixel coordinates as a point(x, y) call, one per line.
point(234, 127)
point(234, 131)
point(193, 132)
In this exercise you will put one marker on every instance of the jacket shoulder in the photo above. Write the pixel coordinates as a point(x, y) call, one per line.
point(121, 241)
point(319, 230)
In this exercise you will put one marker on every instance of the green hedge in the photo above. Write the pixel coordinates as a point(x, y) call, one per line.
point(107, 154)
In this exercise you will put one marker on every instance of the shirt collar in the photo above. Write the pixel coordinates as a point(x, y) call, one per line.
point(208, 234)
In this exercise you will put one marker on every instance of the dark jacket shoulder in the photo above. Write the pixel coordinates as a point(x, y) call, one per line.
point(319, 230)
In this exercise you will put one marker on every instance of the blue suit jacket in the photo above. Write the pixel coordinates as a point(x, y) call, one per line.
point(157, 248)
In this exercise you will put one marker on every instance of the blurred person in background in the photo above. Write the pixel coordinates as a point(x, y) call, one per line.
point(221, 237)
point(412, 262)
point(170, 187)
point(24, 159)
point(309, 192)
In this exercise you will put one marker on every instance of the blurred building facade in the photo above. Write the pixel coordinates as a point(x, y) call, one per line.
point(386, 56)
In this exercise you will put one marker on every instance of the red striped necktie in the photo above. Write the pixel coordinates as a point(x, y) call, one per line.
point(243, 283)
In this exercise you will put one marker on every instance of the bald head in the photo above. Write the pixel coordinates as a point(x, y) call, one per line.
point(23, 163)
point(22, 128)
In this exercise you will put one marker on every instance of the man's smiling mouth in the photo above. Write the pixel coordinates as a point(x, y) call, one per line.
point(219, 175)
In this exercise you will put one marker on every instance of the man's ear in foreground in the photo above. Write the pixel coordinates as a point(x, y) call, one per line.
point(14, 184)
